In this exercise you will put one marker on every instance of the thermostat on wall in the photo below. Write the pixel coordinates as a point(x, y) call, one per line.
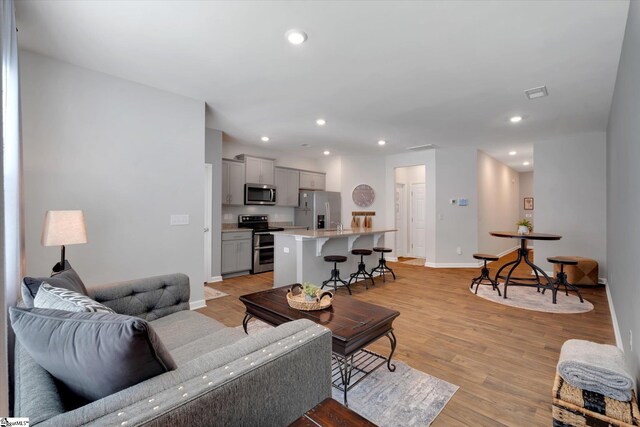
point(463, 202)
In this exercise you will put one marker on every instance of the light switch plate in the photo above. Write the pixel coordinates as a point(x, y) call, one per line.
point(182, 219)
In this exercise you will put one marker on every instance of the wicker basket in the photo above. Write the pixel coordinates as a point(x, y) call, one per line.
point(298, 301)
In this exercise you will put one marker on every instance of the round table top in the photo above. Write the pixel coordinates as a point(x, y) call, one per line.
point(529, 236)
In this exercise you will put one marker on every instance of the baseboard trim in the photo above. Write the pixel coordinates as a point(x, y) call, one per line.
point(194, 305)
point(214, 279)
point(392, 258)
point(614, 320)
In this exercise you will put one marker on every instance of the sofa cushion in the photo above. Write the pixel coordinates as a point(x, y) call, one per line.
point(92, 354)
point(67, 279)
point(214, 341)
point(182, 327)
point(64, 299)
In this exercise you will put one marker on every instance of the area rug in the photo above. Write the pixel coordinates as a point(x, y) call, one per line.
point(414, 261)
point(406, 397)
point(529, 299)
point(210, 293)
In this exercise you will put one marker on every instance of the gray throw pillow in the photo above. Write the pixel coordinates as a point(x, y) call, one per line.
point(92, 354)
point(64, 299)
point(67, 279)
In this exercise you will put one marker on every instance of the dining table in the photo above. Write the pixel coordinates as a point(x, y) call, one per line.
point(523, 256)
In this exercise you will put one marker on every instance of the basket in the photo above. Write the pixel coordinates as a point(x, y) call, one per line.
point(298, 301)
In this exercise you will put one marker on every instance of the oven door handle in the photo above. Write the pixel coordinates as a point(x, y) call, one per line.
point(257, 248)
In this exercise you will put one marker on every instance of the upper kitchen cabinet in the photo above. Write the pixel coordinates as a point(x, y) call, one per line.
point(312, 180)
point(258, 170)
point(232, 182)
point(287, 185)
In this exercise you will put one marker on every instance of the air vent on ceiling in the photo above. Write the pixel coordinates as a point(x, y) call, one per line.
point(536, 92)
point(422, 147)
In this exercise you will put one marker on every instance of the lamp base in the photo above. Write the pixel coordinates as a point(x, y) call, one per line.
point(58, 268)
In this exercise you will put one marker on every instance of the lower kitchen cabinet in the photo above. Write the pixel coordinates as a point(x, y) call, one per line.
point(237, 251)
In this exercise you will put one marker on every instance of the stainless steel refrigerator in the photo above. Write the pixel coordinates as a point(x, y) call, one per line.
point(318, 210)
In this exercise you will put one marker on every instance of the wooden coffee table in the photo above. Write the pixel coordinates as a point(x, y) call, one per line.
point(354, 325)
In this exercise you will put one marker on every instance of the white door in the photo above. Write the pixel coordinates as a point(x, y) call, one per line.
point(418, 220)
point(208, 195)
point(400, 220)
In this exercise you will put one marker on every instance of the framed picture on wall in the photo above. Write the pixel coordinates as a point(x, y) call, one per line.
point(528, 203)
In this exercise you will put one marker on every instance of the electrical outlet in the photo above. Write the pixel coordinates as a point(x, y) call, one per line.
point(459, 250)
point(179, 220)
point(630, 340)
point(286, 250)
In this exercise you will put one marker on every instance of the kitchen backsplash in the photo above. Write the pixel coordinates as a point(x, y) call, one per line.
point(276, 213)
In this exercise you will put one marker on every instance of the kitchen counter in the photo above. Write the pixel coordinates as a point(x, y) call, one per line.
point(299, 254)
point(234, 230)
point(315, 234)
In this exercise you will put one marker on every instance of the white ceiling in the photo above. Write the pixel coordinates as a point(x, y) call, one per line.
point(447, 73)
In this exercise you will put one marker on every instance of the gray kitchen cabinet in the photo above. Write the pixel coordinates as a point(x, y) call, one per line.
point(287, 186)
point(237, 251)
point(258, 170)
point(232, 182)
point(312, 180)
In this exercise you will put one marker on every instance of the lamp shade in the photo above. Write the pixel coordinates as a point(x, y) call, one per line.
point(63, 228)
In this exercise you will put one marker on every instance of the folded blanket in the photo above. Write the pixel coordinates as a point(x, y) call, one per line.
point(595, 367)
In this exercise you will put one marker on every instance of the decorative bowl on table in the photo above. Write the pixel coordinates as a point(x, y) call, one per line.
point(309, 297)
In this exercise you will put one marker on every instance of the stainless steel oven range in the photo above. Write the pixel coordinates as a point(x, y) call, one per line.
point(263, 241)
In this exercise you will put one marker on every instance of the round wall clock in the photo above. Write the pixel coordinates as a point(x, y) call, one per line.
point(363, 195)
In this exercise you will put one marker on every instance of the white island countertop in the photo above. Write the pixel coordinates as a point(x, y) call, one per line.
point(347, 232)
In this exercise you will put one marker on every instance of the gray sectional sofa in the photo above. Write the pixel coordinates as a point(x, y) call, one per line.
point(224, 378)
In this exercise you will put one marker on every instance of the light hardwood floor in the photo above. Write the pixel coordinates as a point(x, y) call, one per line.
point(502, 358)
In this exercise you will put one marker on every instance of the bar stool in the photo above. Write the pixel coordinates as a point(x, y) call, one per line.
point(335, 273)
point(561, 276)
point(484, 273)
point(382, 263)
point(362, 268)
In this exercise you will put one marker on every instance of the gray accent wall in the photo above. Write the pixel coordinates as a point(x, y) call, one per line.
point(213, 155)
point(570, 198)
point(623, 194)
point(128, 155)
point(498, 194)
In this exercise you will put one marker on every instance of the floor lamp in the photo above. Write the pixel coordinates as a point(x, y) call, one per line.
point(63, 228)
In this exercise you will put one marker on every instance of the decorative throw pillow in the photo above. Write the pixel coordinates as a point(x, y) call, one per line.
point(92, 354)
point(67, 279)
point(64, 299)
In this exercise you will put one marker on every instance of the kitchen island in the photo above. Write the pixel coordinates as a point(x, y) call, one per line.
point(299, 254)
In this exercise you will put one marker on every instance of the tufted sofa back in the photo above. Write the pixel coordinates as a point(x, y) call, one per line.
point(149, 298)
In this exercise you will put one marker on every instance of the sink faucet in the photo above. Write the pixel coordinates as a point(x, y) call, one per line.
point(339, 226)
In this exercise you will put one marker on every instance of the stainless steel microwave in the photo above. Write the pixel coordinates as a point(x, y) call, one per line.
point(259, 194)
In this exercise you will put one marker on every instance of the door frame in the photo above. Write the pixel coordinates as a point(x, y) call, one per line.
point(401, 217)
point(208, 207)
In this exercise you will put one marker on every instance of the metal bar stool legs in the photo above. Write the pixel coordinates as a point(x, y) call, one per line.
point(362, 268)
point(484, 273)
point(382, 267)
point(561, 277)
point(335, 273)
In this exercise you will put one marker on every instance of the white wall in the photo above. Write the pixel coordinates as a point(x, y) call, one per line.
point(570, 198)
point(498, 204)
point(332, 166)
point(623, 197)
point(128, 155)
point(358, 170)
point(456, 226)
point(526, 190)
point(213, 155)
point(427, 159)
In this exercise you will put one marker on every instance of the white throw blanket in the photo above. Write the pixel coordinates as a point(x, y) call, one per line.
point(596, 367)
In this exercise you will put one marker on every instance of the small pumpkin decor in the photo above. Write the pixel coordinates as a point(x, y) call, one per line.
point(308, 297)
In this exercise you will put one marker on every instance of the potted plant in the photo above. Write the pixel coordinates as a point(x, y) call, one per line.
point(524, 226)
point(310, 291)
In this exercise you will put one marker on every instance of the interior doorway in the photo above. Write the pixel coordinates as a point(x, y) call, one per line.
point(410, 211)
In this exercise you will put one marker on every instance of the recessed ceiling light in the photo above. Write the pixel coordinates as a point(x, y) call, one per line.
point(536, 92)
point(515, 119)
point(512, 153)
point(382, 142)
point(327, 152)
point(321, 122)
point(296, 37)
point(265, 139)
point(525, 164)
